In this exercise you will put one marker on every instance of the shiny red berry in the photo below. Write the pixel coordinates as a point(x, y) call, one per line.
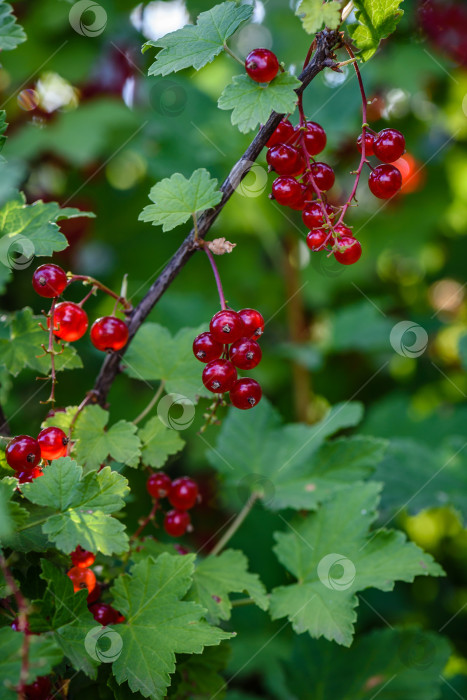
point(245, 353)
point(316, 238)
point(315, 138)
point(70, 321)
point(205, 348)
point(23, 453)
point(82, 558)
point(184, 493)
point(105, 614)
point(28, 475)
point(245, 394)
point(284, 133)
point(82, 578)
point(285, 160)
point(176, 522)
point(385, 181)
point(313, 215)
point(49, 280)
point(158, 485)
point(219, 376)
point(389, 145)
point(253, 323)
point(369, 144)
point(39, 690)
point(261, 65)
point(349, 252)
point(226, 326)
point(323, 175)
point(287, 191)
point(109, 334)
point(53, 443)
point(343, 231)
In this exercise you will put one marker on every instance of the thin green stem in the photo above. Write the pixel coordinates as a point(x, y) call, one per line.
point(234, 56)
point(230, 532)
point(151, 404)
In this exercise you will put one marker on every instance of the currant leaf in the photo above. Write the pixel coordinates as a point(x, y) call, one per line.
point(11, 33)
point(376, 20)
point(43, 655)
point(158, 624)
point(95, 442)
point(3, 127)
point(12, 515)
point(196, 45)
point(199, 675)
point(81, 506)
point(215, 578)
point(176, 199)
point(158, 442)
point(252, 103)
point(316, 14)
point(338, 537)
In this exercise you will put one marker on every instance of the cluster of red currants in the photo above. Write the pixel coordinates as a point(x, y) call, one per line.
point(231, 344)
point(24, 453)
point(388, 146)
point(182, 494)
point(70, 320)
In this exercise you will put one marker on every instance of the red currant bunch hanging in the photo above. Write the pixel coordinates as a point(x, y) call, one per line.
point(182, 494)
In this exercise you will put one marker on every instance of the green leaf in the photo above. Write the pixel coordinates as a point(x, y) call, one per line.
point(43, 655)
point(252, 103)
point(291, 465)
point(377, 19)
point(314, 14)
point(199, 675)
point(158, 624)
point(22, 346)
point(3, 126)
point(95, 442)
point(217, 576)
point(11, 33)
point(12, 515)
point(463, 351)
point(158, 442)
point(81, 506)
point(155, 355)
point(361, 327)
point(385, 664)
point(333, 555)
point(196, 45)
point(176, 199)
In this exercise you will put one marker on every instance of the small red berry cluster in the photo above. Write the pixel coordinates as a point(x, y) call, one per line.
point(388, 146)
point(27, 456)
point(70, 320)
point(182, 494)
point(83, 577)
point(231, 344)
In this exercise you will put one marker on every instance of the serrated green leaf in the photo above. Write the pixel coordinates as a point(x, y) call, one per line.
point(81, 506)
point(377, 19)
point(43, 655)
point(252, 103)
point(12, 515)
point(216, 577)
point(196, 45)
point(158, 442)
point(11, 33)
point(314, 14)
point(333, 556)
point(23, 346)
point(176, 199)
point(155, 355)
point(158, 624)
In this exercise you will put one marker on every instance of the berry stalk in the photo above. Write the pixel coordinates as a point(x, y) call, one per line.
point(95, 283)
point(230, 532)
point(216, 277)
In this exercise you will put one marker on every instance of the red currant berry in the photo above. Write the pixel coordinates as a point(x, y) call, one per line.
point(176, 522)
point(285, 160)
point(49, 280)
point(205, 348)
point(70, 321)
point(23, 453)
point(109, 334)
point(95, 594)
point(245, 393)
point(39, 690)
point(16, 626)
point(349, 252)
point(226, 326)
point(184, 493)
point(369, 144)
point(253, 323)
point(219, 376)
point(298, 206)
point(316, 238)
point(343, 231)
point(385, 181)
point(25, 477)
point(53, 443)
point(323, 175)
point(389, 145)
point(245, 353)
point(104, 613)
point(82, 558)
point(313, 215)
point(53, 412)
point(283, 134)
point(315, 138)
point(82, 578)
point(287, 191)
point(261, 65)
point(158, 485)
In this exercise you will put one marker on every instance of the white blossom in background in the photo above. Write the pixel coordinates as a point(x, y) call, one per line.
point(159, 18)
